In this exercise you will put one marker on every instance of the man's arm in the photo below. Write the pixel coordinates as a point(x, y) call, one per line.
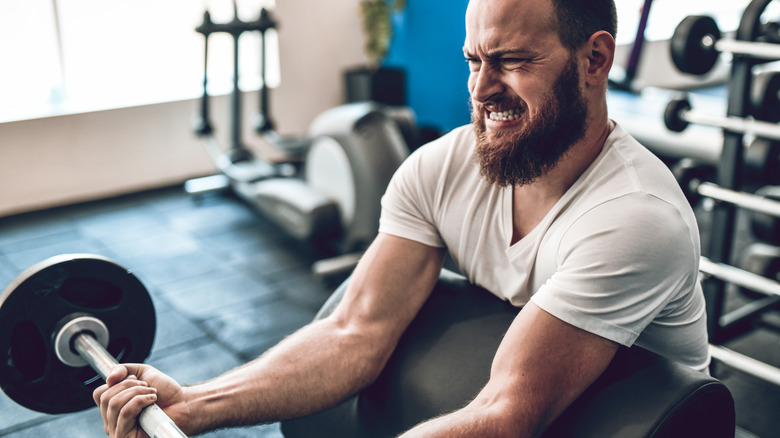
point(318, 366)
point(542, 365)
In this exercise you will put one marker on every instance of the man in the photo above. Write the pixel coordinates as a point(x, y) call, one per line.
point(545, 202)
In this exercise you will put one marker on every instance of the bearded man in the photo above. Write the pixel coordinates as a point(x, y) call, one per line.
point(542, 200)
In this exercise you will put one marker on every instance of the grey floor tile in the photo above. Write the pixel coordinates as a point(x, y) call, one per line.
point(250, 330)
point(14, 415)
point(85, 424)
point(33, 226)
point(173, 329)
point(177, 268)
point(213, 218)
point(24, 259)
point(205, 296)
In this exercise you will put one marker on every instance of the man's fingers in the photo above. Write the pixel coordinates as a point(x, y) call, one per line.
point(113, 398)
point(117, 374)
point(129, 412)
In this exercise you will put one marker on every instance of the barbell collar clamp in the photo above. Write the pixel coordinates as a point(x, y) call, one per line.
point(75, 328)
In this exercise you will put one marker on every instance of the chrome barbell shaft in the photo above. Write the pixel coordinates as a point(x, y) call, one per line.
point(739, 277)
point(746, 364)
point(153, 420)
point(744, 200)
point(735, 124)
point(757, 50)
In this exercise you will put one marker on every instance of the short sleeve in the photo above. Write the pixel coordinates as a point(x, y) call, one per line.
point(409, 202)
point(619, 265)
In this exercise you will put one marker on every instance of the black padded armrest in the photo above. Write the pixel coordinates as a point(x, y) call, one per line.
point(443, 360)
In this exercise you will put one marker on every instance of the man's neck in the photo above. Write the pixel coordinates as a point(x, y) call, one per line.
point(531, 202)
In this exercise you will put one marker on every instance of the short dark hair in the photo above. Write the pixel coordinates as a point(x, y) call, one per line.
point(577, 20)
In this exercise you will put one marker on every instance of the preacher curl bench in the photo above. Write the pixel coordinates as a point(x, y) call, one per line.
point(443, 360)
point(75, 310)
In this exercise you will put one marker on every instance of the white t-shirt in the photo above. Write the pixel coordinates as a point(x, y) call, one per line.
point(618, 254)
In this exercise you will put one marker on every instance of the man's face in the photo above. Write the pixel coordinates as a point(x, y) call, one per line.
point(527, 104)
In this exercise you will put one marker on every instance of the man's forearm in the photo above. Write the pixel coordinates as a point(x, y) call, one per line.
point(311, 370)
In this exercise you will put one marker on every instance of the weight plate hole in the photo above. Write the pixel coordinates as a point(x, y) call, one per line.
point(91, 293)
point(28, 351)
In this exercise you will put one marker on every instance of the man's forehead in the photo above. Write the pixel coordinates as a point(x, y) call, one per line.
point(505, 13)
point(491, 21)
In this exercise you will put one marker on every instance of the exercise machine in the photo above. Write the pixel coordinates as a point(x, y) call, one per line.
point(444, 358)
point(328, 189)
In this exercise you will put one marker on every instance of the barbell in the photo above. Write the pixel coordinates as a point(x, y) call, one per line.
point(66, 318)
point(693, 181)
point(678, 115)
point(696, 44)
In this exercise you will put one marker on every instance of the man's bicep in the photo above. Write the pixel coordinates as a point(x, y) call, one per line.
point(542, 365)
point(389, 285)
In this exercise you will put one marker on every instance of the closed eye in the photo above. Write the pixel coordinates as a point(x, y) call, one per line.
point(513, 63)
point(474, 63)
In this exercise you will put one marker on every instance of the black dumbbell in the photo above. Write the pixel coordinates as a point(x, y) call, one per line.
point(678, 115)
point(697, 43)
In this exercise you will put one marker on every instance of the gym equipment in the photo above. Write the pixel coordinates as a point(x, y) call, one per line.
point(328, 192)
point(689, 173)
point(444, 358)
point(68, 312)
point(764, 260)
point(755, 283)
point(678, 115)
point(697, 43)
point(690, 178)
point(766, 227)
point(765, 96)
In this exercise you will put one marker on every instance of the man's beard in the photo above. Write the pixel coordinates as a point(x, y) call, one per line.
point(522, 156)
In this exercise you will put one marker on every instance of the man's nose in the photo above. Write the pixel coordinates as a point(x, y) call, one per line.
point(486, 84)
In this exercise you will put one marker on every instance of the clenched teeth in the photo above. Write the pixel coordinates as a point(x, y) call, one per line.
point(512, 114)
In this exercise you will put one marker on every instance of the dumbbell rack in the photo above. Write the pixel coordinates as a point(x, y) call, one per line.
point(730, 175)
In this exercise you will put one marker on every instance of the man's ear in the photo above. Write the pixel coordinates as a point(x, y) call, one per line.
point(600, 52)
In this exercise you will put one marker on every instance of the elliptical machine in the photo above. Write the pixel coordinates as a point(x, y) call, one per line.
point(328, 190)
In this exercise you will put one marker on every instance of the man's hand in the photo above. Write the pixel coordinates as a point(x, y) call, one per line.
point(130, 388)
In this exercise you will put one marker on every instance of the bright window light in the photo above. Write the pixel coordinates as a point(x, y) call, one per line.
point(67, 56)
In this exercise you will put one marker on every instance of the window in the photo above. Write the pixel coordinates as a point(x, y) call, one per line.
point(66, 56)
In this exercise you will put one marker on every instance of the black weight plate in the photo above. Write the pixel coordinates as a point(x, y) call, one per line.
point(765, 96)
point(687, 50)
point(673, 118)
point(766, 227)
point(45, 294)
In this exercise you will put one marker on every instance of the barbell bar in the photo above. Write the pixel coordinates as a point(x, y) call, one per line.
point(678, 115)
point(697, 43)
point(755, 282)
point(152, 419)
point(739, 277)
point(692, 181)
point(66, 318)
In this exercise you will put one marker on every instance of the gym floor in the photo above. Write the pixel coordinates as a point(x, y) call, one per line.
point(227, 285)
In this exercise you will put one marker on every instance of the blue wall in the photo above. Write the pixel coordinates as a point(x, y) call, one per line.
point(428, 44)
